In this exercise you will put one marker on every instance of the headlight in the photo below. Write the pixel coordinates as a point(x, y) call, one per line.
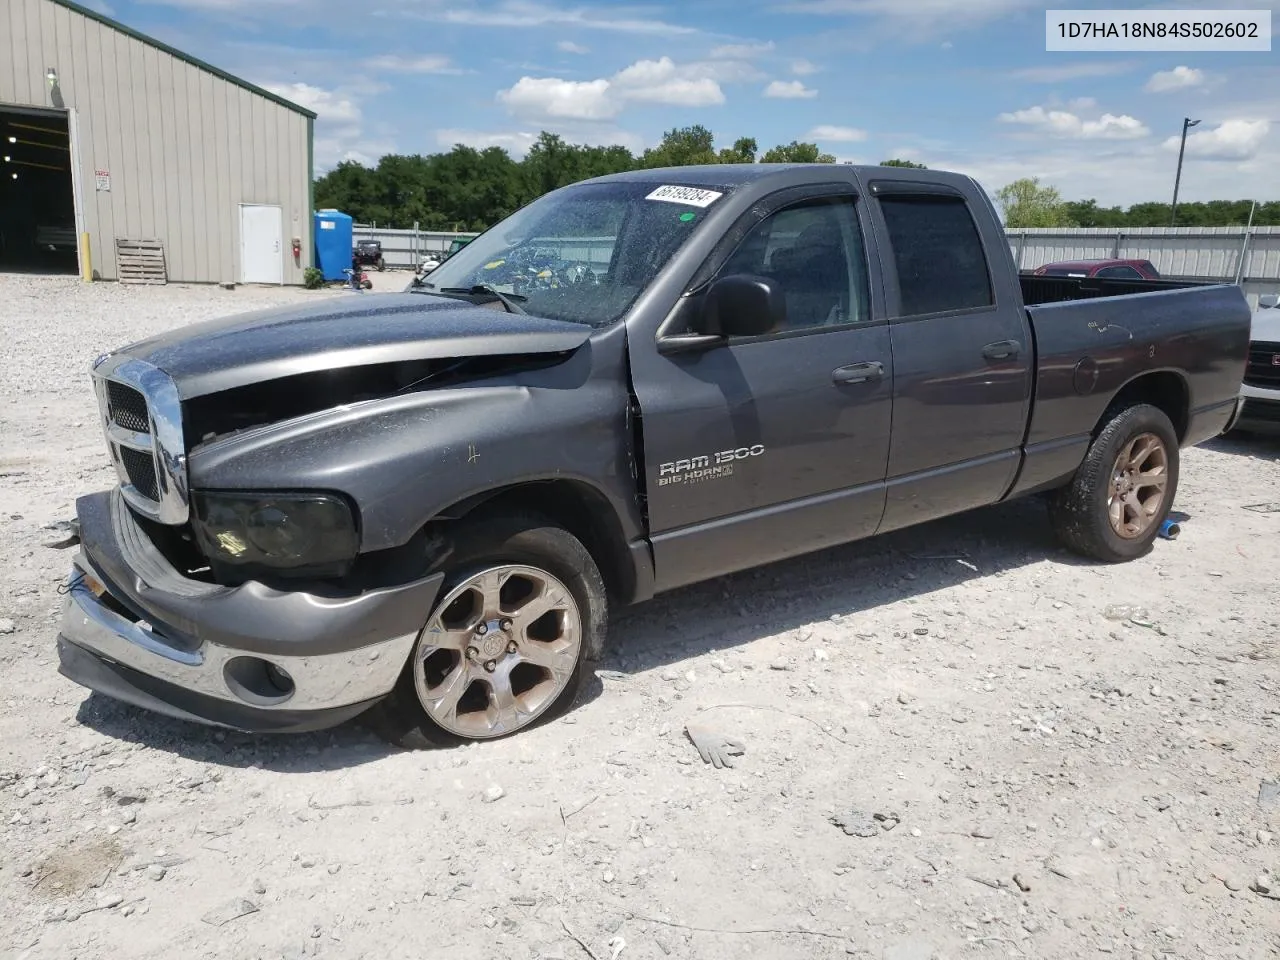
point(280, 530)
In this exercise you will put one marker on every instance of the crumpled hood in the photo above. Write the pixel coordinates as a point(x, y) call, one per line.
point(345, 331)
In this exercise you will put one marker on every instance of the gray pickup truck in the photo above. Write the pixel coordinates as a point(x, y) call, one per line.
point(419, 507)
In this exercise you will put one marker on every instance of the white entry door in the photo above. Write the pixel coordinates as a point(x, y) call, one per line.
point(261, 236)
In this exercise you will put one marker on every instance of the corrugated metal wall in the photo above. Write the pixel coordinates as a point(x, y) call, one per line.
point(1202, 253)
point(184, 147)
point(1208, 252)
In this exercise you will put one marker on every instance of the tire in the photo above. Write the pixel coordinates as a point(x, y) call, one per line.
point(1084, 513)
point(382, 264)
point(529, 547)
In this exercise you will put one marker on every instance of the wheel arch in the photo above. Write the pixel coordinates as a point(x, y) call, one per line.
point(1166, 390)
point(578, 507)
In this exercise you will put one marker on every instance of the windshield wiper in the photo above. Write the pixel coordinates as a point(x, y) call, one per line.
point(508, 300)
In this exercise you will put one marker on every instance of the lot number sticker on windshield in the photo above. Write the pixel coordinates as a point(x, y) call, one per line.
point(688, 196)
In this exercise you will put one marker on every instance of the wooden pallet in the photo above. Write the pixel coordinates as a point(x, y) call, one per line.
point(140, 261)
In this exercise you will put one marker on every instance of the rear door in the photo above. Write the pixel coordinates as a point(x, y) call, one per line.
point(765, 447)
point(962, 353)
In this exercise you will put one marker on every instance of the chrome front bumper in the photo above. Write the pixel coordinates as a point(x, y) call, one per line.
point(224, 673)
point(249, 657)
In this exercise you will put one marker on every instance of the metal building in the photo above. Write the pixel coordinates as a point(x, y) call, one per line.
point(110, 140)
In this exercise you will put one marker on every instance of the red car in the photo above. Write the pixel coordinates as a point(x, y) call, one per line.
point(1103, 269)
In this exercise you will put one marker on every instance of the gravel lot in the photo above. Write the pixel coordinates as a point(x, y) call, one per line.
point(1067, 760)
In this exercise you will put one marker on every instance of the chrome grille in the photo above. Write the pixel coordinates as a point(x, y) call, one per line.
point(140, 468)
point(127, 407)
point(142, 418)
point(1264, 365)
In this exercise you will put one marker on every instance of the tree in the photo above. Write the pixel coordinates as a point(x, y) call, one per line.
point(903, 163)
point(1026, 203)
point(795, 152)
point(681, 147)
point(743, 151)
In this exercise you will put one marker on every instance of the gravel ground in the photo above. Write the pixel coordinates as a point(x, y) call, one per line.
point(960, 742)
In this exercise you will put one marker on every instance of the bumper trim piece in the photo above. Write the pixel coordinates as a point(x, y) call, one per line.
point(129, 686)
point(320, 681)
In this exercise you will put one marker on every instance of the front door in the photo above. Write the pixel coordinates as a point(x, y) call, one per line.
point(765, 447)
point(261, 236)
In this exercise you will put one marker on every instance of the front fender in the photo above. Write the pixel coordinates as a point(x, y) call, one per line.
point(403, 459)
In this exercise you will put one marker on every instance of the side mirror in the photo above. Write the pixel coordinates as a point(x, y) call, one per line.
point(741, 305)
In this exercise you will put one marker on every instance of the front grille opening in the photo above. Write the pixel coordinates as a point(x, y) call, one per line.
point(140, 468)
point(178, 546)
point(127, 407)
point(1262, 370)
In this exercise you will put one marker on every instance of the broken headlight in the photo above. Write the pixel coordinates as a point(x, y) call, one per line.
point(315, 531)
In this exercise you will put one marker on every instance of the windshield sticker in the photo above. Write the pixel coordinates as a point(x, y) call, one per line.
point(687, 196)
point(687, 216)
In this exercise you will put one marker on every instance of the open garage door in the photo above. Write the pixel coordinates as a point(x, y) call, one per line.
point(37, 205)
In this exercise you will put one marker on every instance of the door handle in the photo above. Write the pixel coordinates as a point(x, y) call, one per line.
point(858, 372)
point(1002, 350)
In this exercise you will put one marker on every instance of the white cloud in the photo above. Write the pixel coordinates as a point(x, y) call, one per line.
point(929, 14)
point(789, 90)
point(1061, 123)
point(329, 106)
point(1082, 103)
point(568, 46)
point(803, 68)
point(1179, 78)
point(826, 133)
point(1062, 73)
point(524, 14)
point(393, 63)
point(552, 98)
point(1231, 140)
point(663, 81)
point(340, 131)
point(741, 51)
point(516, 142)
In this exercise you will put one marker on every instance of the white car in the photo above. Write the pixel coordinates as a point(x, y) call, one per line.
point(1261, 387)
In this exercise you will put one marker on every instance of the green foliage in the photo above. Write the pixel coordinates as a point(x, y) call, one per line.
point(465, 189)
point(1026, 203)
point(795, 152)
point(313, 278)
point(1215, 213)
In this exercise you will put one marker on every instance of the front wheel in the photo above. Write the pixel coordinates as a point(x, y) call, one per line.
point(1121, 494)
point(521, 608)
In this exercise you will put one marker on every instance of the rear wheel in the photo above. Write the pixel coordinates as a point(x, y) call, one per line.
point(522, 606)
point(382, 264)
point(1121, 494)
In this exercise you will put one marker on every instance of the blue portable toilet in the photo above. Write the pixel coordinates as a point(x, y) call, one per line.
point(333, 243)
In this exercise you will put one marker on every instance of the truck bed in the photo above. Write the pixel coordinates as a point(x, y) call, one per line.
point(1041, 289)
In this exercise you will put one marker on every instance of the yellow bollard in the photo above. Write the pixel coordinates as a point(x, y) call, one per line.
point(86, 262)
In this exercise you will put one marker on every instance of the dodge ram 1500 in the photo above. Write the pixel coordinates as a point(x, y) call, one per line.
point(420, 506)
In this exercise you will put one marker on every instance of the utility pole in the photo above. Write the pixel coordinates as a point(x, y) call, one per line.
point(1187, 123)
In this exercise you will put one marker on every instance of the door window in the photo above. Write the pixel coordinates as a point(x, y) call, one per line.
point(1119, 273)
point(941, 264)
point(814, 252)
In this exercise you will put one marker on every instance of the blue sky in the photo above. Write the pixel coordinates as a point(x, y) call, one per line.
point(957, 84)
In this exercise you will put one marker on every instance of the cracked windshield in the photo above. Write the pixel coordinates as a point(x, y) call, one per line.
point(582, 254)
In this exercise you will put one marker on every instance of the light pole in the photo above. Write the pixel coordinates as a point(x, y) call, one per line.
point(1187, 123)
